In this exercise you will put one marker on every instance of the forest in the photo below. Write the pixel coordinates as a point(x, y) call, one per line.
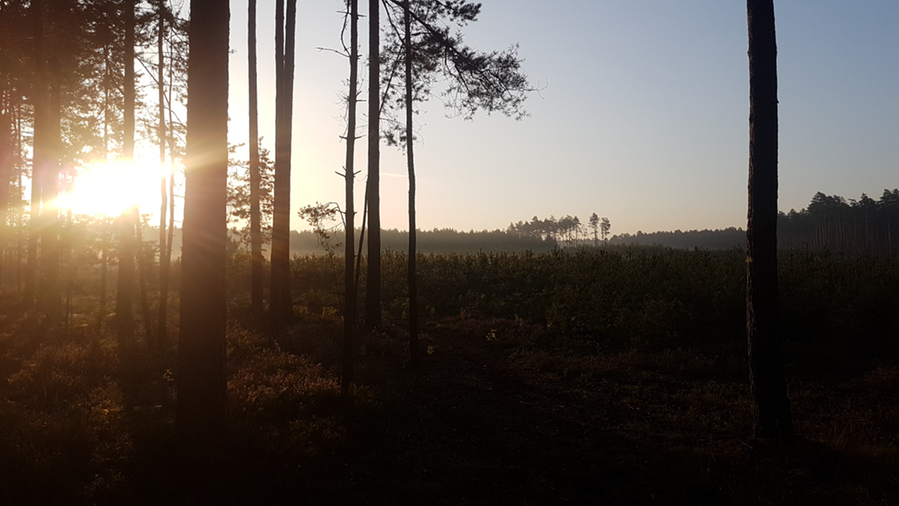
point(232, 360)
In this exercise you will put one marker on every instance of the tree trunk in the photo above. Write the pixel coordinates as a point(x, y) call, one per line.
point(7, 155)
point(771, 417)
point(201, 417)
point(281, 303)
point(124, 319)
point(41, 105)
point(49, 290)
point(410, 161)
point(349, 313)
point(125, 280)
point(167, 261)
point(162, 316)
point(255, 217)
point(143, 271)
point(373, 281)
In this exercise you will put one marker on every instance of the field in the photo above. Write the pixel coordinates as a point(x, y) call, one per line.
point(610, 376)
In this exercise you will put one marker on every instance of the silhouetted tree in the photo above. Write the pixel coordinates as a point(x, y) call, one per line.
point(125, 279)
point(255, 218)
point(349, 315)
point(594, 225)
point(162, 315)
point(474, 81)
point(373, 184)
point(202, 396)
point(410, 162)
point(771, 417)
point(281, 303)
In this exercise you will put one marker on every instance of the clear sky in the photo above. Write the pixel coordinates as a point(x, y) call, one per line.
point(642, 117)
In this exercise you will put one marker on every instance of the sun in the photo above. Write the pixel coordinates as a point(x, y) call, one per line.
point(107, 188)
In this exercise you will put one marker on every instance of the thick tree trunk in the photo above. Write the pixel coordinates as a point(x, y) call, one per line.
point(770, 406)
point(373, 281)
point(255, 215)
point(349, 313)
point(410, 161)
point(202, 397)
point(281, 302)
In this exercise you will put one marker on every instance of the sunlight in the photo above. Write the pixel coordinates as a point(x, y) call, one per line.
point(106, 188)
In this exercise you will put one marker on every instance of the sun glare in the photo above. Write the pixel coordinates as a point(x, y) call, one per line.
point(110, 187)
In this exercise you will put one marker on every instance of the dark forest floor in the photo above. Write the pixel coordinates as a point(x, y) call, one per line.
point(499, 413)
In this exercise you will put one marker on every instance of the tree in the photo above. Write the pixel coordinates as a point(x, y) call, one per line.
point(241, 200)
point(771, 417)
point(201, 416)
point(162, 316)
point(605, 225)
point(281, 303)
point(594, 224)
point(410, 161)
point(255, 218)
point(373, 185)
point(125, 280)
point(474, 81)
point(349, 314)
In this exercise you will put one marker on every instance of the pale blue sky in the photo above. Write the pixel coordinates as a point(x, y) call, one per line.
point(642, 117)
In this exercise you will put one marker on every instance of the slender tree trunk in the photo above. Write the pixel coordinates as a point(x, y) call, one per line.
point(7, 154)
point(255, 215)
point(125, 279)
point(162, 316)
point(281, 301)
point(41, 107)
point(349, 313)
point(143, 270)
point(201, 416)
point(771, 418)
point(104, 263)
point(410, 161)
point(49, 289)
point(373, 281)
point(20, 208)
point(167, 261)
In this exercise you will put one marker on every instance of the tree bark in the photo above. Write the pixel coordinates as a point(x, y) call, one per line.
point(771, 418)
point(201, 417)
point(255, 217)
point(349, 313)
point(373, 279)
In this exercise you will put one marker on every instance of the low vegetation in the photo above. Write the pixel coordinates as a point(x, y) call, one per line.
point(613, 376)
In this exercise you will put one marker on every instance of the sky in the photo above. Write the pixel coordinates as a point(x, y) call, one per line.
point(641, 115)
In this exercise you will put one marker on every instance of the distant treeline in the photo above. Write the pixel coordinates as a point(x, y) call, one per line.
point(855, 226)
point(829, 223)
point(727, 238)
point(428, 241)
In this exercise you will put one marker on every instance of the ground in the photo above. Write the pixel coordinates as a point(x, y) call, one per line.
point(498, 413)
